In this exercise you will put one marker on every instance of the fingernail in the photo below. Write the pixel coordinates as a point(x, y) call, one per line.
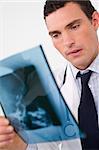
point(10, 129)
point(7, 121)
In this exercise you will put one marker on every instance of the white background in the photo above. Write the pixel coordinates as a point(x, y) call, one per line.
point(22, 27)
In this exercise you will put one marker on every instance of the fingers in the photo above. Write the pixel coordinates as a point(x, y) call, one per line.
point(3, 121)
point(4, 144)
point(6, 132)
point(9, 140)
point(6, 129)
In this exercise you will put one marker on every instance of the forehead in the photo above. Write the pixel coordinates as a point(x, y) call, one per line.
point(71, 11)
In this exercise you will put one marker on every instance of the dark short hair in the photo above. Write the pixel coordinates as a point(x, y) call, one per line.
point(52, 5)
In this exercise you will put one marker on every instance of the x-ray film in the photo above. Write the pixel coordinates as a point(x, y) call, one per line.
point(32, 101)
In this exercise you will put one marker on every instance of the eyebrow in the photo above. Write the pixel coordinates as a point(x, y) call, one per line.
point(73, 22)
point(67, 26)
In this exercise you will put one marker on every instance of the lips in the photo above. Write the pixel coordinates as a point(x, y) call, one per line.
point(73, 52)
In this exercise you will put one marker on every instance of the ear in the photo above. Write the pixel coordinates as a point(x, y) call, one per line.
point(95, 20)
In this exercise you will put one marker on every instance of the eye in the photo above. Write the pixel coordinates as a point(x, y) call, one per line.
point(75, 27)
point(55, 35)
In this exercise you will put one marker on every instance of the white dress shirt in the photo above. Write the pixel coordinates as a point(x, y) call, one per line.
point(93, 82)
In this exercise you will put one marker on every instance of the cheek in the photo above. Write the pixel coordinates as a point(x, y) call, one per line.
point(88, 35)
point(90, 40)
point(58, 45)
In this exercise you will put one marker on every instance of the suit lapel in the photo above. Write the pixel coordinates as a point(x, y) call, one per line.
point(70, 93)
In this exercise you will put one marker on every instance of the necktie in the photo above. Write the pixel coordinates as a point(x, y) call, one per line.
point(87, 115)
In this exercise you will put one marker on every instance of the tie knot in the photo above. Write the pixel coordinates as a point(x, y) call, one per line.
point(84, 77)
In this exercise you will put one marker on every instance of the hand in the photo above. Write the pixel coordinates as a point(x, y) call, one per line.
point(6, 132)
point(9, 140)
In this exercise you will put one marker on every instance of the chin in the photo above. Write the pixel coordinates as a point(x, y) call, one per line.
point(80, 66)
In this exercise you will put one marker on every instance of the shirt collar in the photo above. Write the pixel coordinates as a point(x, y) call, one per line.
point(74, 70)
point(93, 67)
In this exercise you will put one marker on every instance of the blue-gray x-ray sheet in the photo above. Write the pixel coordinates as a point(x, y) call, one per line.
point(32, 100)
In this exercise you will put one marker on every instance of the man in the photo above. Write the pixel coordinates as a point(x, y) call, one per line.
point(72, 26)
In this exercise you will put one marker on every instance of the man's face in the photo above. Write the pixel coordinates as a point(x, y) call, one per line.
point(74, 35)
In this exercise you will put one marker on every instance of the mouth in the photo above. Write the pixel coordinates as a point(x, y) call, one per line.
point(74, 52)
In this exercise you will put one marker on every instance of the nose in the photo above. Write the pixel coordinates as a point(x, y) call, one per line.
point(68, 40)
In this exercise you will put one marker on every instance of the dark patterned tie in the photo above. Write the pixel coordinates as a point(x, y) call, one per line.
point(87, 115)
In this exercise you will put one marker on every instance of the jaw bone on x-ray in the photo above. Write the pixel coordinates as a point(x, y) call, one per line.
point(32, 101)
